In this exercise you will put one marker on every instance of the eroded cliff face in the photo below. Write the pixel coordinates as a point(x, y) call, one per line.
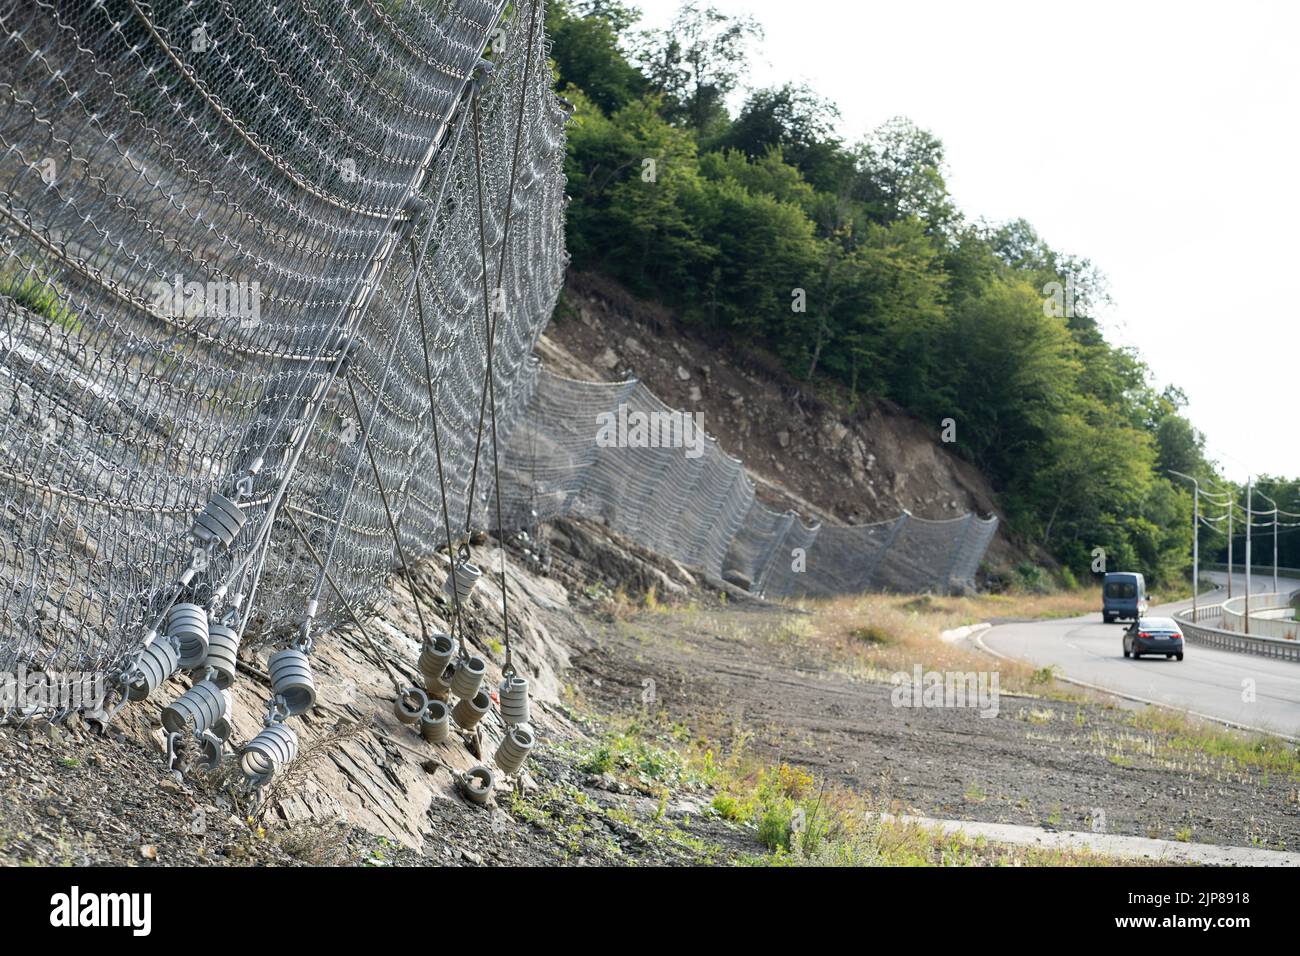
point(843, 468)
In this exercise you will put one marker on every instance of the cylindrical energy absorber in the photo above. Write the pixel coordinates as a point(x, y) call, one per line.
point(196, 710)
point(468, 676)
point(466, 576)
point(410, 703)
point(514, 700)
point(188, 624)
point(224, 725)
point(268, 752)
point(440, 687)
point(435, 655)
point(291, 679)
point(212, 749)
point(476, 783)
point(470, 710)
point(433, 722)
point(157, 662)
point(515, 747)
point(223, 651)
point(219, 521)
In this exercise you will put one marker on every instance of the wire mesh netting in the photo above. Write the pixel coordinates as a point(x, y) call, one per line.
point(615, 453)
point(212, 215)
point(246, 249)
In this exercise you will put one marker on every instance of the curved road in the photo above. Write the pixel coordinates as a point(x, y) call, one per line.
point(1207, 681)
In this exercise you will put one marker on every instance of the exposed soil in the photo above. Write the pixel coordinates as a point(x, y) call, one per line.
point(850, 468)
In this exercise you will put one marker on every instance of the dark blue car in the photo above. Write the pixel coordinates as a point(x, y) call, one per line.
point(1154, 635)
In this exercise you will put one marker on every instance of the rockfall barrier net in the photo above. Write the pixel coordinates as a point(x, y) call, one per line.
point(615, 453)
point(211, 218)
point(241, 245)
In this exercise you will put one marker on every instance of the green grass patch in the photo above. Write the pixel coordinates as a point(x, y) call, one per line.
point(635, 760)
point(1178, 734)
point(40, 296)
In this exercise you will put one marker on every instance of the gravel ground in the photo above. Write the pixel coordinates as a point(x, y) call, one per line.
point(739, 675)
point(70, 797)
point(728, 672)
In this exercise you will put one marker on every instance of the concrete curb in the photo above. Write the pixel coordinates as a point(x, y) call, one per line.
point(961, 633)
point(1111, 844)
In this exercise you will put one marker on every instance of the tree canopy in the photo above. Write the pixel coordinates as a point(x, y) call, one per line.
point(853, 265)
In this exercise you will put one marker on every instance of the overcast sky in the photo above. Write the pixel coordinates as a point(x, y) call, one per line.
point(1158, 139)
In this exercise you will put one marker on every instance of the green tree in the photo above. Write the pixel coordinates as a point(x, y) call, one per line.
point(891, 317)
point(585, 49)
point(765, 250)
point(901, 173)
point(634, 178)
point(1015, 370)
point(697, 61)
point(801, 125)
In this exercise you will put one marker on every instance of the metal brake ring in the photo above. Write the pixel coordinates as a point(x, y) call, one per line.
point(172, 739)
point(277, 711)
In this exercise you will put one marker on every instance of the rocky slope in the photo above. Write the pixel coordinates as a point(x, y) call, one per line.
point(844, 468)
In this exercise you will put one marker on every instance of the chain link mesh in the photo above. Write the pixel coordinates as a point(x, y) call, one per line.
point(696, 504)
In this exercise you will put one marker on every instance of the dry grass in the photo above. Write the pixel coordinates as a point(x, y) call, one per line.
point(291, 779)
point(1180, 739)
point(314, 843)
point(875, 635)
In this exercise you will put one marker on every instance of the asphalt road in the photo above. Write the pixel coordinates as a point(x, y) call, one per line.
point(1207, 682)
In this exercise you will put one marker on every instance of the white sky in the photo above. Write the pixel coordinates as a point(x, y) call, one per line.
point(1158, 139)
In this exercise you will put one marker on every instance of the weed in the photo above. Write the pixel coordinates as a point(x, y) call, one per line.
point(41, 296)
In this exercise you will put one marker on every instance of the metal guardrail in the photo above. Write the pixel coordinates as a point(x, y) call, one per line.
point(1208, 630)
point(1271, 615)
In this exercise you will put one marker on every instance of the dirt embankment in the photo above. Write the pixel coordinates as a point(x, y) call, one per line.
point(846, 468)
point(633, 665)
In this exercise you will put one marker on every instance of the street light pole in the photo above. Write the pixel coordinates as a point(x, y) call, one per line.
point(1249, 522)
point(1230, 504)
point(1196, 538)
